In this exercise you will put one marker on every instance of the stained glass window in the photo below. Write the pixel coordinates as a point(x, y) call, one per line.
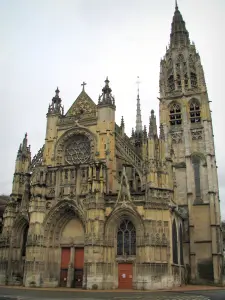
point(78, 151)
point(126, 238)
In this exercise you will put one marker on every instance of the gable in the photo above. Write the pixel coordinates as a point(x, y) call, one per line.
point(83, 106)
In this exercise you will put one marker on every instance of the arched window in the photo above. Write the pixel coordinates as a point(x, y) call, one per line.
point(175, 114)
point(181, 246)
point(196, 165)
point(195, 112)
point(174, 237)
point(126, 238)
point(194, 82)
point(171, 84)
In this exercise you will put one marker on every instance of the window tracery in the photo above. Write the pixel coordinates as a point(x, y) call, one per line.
point(195, 112)
point(175, 114)
point(126, 238)
point(171, 84)
point(194, 82)
point(178, 81)
point(78, 151)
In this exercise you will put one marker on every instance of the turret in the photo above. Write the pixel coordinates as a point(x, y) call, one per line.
point(55, 111)
point(22, 165)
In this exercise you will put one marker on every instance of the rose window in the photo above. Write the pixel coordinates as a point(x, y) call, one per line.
point(78, 151)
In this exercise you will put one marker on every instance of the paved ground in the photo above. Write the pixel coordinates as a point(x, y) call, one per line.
point(38, 294)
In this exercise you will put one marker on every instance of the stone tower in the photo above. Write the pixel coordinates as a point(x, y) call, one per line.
point(186, 118)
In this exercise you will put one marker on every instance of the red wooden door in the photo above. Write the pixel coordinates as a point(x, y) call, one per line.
point(65, 259)
point(78, 267)
point(125, 276)
point(79, 258)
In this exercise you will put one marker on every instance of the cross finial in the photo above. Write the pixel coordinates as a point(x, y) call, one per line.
point(138, 84)
point(83, 84)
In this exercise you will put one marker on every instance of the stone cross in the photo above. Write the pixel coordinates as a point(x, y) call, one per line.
point(83, 84)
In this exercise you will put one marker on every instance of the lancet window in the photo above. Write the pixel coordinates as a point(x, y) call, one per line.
point(175, 114)
point(178, 82)
point(175, 245)
point(196, 161)
point(24, 241)
point(126, 238)
point(171, 84)
point(194, 82)
point(181, 246)
point(195, 112)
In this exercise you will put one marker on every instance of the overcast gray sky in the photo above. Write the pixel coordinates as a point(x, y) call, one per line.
point(45, 43)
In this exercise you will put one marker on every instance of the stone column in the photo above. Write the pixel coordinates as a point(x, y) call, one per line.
point(70, 275)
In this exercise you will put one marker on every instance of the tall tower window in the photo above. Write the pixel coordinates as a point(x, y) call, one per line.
point(126, 238)
point(175, 114)
point(174, 238)
point(181, 246)
point(196, 161)
point(171, 84)
point(194, 82)
point(195, 112)
point(178, 82)
point(186, 80)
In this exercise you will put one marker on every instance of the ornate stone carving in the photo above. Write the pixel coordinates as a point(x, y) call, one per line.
point(196, 134)
point(83, 107)
point(177, 137)
point(37, 159)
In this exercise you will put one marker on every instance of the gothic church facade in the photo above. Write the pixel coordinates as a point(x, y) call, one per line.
point(97, 209)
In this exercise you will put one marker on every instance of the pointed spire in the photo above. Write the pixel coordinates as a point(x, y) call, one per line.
point(179, 35)
point(138, 113)
point(56, 106)
point(24, 150)
point(106, 98)
point(122, 122)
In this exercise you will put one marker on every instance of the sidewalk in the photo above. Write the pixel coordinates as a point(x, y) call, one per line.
point(185, 288)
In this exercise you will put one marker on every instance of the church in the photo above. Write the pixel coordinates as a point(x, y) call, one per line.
point(98, 209)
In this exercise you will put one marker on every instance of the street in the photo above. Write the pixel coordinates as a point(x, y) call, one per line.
point(35, 294)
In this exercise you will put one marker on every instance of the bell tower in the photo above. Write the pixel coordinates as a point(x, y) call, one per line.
point(186, 118)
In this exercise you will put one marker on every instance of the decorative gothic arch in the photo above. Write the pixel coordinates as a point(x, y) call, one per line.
point(20, 232)
point(58, 216)
point(67, 138)
point(118, 216)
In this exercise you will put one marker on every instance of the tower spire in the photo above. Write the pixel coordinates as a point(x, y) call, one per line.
point(138, 114)
point(179, 35)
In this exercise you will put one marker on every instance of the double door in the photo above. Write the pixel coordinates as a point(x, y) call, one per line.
point(77, 281)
